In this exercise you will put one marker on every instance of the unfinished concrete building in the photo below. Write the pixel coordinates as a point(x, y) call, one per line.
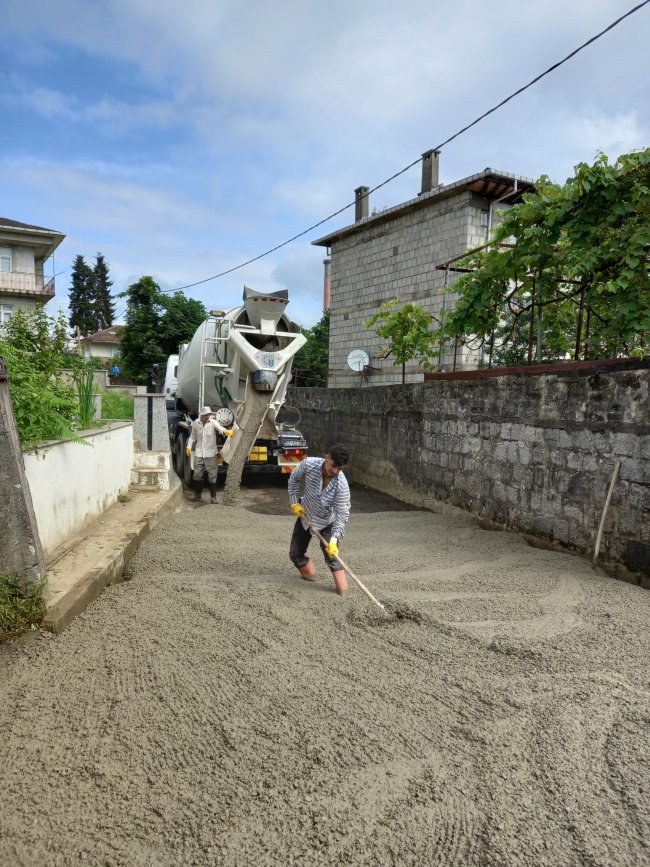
point(24, 250)
point(396, 253)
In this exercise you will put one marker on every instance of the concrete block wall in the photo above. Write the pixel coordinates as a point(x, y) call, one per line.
point(535, 453)
point(392, 258)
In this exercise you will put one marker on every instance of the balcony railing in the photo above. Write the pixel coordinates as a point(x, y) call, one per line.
point(29, 285)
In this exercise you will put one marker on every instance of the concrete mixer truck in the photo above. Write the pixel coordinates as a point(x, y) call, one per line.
point(239, 363)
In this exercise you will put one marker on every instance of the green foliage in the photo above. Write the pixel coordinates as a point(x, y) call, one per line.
point(91, 304)
point(116, 405)
point(311, 363)
point(103, 301)
point(84, 378)
point(180, 320)
point(140, 345)
point(22, 606)
point(82, 301)
point(45, 406)
point(408, 328)
point(155, 325)
point(578, 251)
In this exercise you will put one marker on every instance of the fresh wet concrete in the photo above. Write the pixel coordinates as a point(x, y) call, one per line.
point(215, 709)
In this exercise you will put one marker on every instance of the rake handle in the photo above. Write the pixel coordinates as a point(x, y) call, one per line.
point(362, 586)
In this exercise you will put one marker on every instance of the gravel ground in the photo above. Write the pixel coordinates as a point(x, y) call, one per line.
point(215, 709)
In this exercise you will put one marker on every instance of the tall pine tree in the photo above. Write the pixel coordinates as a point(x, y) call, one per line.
point(104, 305)
point(83, 314)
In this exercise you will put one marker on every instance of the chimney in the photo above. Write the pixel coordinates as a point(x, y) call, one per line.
point(361, 203)
point(430, 169)
point(326, 283)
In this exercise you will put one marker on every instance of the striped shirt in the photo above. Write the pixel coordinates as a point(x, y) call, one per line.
point(329, 505)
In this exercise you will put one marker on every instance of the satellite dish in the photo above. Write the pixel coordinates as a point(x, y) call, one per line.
point(357, 360)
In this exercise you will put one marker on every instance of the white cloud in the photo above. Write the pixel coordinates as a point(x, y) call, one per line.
point(262, 118)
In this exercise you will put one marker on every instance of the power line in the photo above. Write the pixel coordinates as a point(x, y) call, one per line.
point(419, 159)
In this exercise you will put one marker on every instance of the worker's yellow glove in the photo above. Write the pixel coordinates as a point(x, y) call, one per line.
point(228, 433)
point(297, 510)
point(332, 548)
point(188, 451)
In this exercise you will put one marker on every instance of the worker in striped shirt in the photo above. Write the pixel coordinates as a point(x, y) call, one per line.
point(326, 504)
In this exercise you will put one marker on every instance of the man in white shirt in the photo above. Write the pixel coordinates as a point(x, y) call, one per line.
point(203, 438)
point(326, 504)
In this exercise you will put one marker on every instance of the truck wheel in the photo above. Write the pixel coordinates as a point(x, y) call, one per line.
point(179, 455)
point(187, 467)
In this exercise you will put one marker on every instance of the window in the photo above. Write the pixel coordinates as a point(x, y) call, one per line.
point(5, 259)
point(5, 313)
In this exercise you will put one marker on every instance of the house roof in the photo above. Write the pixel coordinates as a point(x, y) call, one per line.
point(43, 241)
point(108, 335)
point(14, 224)
point(490, 183)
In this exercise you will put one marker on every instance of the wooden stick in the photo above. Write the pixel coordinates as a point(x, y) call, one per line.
point(617, 465)
point(362, 586)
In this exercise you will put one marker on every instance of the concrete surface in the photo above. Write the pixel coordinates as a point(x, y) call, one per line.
point(78, 571)
point(214, 709)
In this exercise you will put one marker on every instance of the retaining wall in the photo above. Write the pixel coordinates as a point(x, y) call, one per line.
point(72, 484)
point(535, 453)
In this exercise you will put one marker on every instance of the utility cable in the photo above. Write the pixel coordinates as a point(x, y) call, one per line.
point(419, 159)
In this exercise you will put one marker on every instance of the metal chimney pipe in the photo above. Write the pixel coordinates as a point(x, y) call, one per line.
point(430, 170)
point(326, 283)
point(361, 203)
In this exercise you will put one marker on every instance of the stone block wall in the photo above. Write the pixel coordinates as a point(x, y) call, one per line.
point(535, 453)
point(398, 257)
point(379, 262)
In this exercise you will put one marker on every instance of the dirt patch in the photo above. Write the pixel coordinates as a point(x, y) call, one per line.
point(214, 709)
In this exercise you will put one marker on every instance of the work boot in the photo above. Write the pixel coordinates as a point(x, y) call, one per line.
point(340, 582)
point(308, 571)
point(198, 490)
point(213, 493)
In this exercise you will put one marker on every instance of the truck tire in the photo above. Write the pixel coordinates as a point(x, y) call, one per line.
point(187, 466)
point(179, 455)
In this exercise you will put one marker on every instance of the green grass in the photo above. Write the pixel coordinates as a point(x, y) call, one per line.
point(20, 609)
point(116, 405)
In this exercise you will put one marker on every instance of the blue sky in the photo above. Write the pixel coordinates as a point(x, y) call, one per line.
point(183, 139)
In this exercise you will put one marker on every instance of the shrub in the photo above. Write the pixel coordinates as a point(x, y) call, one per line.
point(116, 405)
point(33, 348)
point(22, 606)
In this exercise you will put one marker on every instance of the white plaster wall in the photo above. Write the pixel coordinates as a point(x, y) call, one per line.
point(72, 484)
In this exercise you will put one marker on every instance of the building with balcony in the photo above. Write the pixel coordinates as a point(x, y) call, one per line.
point(24, 250)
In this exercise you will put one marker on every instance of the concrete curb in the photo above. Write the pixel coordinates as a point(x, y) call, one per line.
point(111, 568)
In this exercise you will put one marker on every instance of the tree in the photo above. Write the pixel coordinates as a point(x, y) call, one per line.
point(180, 320)
point(408, 329)
point(140, 345)
point(103, 301)
point(83, 314)
point(155, 326)
point(311, 363)
point(570, 261)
